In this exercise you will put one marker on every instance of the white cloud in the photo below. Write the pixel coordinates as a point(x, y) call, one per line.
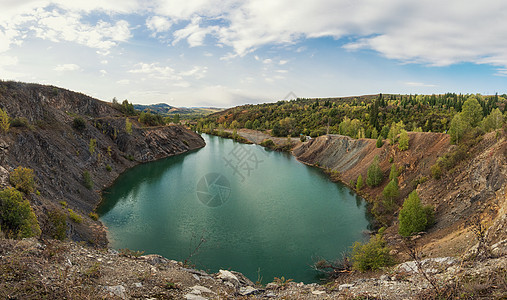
point(193, 33)
point(432, 32)
point(66, 67)
point(156, 71)
point(158, 24)
point(56, 27)
point(20, 21)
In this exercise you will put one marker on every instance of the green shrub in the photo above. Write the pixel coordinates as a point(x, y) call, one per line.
point(436, 171)
point(108, 168)
point(63, 203)
point(22, 179)
point(17, 216)
point(128, 126)
point(372, 255)
point(19, 122)
point(150, 119)
point(76, 218)
point(87, 180)
point(79, 123)
point(267, 143)
point(92, 146)
point(94, 216)
point(374, 175)
point(414, 217)
point(4, 121)
point(57, 224)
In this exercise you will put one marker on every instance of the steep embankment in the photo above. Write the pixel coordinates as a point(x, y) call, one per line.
point(351, 157)
point(476, 186)
point(60, 153)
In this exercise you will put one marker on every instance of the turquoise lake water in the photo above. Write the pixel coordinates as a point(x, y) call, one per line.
point(234, 206)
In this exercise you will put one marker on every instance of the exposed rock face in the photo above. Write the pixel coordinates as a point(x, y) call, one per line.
point(351, 157)
point(60, 154)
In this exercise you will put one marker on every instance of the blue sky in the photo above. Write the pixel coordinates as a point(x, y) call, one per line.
point(229, 52)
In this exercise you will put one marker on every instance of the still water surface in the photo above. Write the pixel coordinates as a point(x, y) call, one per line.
point(258, 212)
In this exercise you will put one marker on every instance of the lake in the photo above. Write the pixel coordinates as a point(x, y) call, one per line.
point(234, 206)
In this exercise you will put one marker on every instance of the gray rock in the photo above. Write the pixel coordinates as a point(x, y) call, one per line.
point(201, 289)
point(345, 286)
point(138, 285)
point(116, 290)
point(228, 276)
point(194, 297)
point(318, 292)
point(248, 290)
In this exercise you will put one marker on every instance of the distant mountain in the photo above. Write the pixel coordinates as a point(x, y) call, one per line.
point(166, 109)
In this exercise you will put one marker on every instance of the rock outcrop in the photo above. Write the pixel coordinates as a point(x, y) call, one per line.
point(60, 153)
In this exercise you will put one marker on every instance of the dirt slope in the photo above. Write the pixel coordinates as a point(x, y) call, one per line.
point(351, 157)
point(60, 154)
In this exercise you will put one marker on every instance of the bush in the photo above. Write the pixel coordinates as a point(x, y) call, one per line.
point(94, 216)
point(76, 218)
point(22, 179)
point(87, 180)
point(17, 216)
point(372, 255)
point(414, 217)
point(19, 122)
point(79, 123)
point(57, 225)
point(128, 126)
point(150, 119)
point(374, 175)
point(92, 146)
point(436, 171)
point(267, 143)
point(380, 142)
point(4, 121)
point(109, 168)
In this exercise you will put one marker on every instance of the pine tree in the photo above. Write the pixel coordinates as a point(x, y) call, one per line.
point(390, 193)
point(379, 141)
point(403, 143)
point(393, 174)
point(413, 216)
point(472, 112)
point(374, 175)
point(359, 183)
point(457, 129)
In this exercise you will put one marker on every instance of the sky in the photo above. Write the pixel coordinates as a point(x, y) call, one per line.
point(224, 53)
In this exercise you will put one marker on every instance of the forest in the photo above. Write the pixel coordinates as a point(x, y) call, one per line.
point(358, 117)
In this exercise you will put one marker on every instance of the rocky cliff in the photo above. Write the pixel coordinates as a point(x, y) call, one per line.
point(46, 141)
point(475, 187)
